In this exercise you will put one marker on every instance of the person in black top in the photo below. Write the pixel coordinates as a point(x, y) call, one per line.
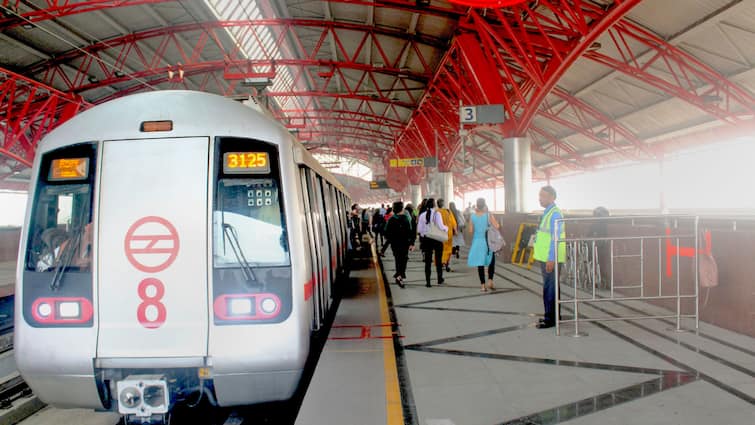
point(378, 227)
point(400, 235)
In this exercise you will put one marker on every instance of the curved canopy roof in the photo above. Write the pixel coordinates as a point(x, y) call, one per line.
point(589, 82)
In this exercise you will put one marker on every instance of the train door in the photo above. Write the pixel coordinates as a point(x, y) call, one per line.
point(336, 226)
point(315, 205)
point(153, 249)
point(310, 241)
point(328, 250)
point(329, 221)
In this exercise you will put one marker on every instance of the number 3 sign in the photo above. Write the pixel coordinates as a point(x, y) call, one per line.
point(468, 114)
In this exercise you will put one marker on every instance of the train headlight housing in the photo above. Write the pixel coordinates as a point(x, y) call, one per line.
point(240, 306)
point(269, 305)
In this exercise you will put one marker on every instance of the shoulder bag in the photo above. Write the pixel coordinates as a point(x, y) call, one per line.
point(495, 240)
point(435, 232)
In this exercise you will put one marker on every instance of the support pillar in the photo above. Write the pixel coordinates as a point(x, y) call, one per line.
point(446, 187)
point(416, 194)
point(517, 171)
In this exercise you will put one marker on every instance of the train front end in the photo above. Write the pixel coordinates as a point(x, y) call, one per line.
point(156, 263)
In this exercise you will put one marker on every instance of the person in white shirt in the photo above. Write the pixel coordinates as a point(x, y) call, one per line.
point(431, 246)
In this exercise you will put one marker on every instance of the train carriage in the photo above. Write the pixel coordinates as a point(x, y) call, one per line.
point(176, 244)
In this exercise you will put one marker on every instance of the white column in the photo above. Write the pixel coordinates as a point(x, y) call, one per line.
point(416, 194)
point(446, 187)
point(517, 172)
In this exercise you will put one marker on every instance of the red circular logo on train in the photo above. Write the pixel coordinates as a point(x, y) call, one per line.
point(151, 244)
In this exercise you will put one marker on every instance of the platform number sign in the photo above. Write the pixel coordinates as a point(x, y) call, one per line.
point(468, 114)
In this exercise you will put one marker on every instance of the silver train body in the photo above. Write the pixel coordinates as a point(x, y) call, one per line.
point(176, 243)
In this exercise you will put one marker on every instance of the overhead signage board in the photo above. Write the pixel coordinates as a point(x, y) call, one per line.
point(379, 184)
point(482, 114)
point(427, 162)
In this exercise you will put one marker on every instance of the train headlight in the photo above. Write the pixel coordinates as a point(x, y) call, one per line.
point(69, 310)
point(130, 397)
point(240, 306)
point(44, 309)
point(269, 306)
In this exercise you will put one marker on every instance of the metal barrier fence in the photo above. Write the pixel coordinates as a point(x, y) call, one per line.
point(584, 274)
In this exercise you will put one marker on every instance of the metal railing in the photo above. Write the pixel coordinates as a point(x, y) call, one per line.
point(590, 290)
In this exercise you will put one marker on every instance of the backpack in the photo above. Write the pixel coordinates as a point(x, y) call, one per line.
point(400, 226)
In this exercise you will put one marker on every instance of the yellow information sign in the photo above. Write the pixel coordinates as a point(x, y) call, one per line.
point(407, 162)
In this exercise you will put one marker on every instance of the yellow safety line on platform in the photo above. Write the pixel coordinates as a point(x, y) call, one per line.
point(394, 410)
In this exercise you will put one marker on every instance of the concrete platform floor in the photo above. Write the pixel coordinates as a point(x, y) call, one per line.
point(476, 358)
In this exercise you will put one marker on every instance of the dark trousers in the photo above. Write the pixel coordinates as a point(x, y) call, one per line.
point(433, 246)
point(401, 255)
point(549, 293)
point(491, 271)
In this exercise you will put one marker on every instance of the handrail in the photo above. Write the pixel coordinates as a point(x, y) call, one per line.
point(593, 294)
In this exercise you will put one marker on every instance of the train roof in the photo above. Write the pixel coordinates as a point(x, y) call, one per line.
point(193, 114)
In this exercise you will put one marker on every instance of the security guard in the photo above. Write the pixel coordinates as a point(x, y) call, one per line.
point(544, 252)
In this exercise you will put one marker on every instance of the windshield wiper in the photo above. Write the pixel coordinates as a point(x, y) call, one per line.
point(233, 238)
point(66, 257)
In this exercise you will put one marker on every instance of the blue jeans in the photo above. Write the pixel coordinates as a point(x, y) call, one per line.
point(549, 293)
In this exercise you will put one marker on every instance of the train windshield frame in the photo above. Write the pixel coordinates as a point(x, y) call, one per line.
point(249, 224)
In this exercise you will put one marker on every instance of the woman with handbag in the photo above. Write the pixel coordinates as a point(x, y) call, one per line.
point(433, 233)
point(479, 254)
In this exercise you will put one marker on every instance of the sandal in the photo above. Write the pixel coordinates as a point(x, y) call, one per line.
point(483, 288)
point(490, 285)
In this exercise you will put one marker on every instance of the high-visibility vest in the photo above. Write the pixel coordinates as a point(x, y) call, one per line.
point(543, 238)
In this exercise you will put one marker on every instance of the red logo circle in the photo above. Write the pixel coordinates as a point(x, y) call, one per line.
point(151, 244)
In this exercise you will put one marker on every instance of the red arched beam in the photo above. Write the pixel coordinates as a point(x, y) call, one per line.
point(689, 79)
point(59, 8)
point(28, 111)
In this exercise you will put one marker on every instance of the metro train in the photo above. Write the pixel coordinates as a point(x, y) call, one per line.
point(176, 245)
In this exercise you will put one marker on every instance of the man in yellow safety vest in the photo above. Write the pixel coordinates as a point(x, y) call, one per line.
point(545, 253)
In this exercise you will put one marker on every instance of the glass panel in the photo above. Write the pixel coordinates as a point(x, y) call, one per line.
point(61, 229)
point(248, 224)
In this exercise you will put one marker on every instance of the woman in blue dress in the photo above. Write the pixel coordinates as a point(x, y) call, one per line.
point(479, 254)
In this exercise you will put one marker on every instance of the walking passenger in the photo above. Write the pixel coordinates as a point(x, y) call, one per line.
point(546, 254)
point(400, 235)
point(378, 226)
point(450, 221)
point(479, 254)
point(458, 239)
point(431, 247)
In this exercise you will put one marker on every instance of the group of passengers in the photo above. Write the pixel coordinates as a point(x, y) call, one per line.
point(441, 235)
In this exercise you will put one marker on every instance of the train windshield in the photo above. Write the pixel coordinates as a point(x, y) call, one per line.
point(60, 237)
point(249, 226)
